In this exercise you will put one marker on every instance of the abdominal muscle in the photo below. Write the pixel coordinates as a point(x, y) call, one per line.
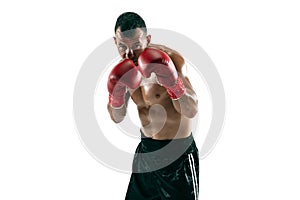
point(157, 114)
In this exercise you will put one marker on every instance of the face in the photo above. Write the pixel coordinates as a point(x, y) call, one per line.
point(131, 45)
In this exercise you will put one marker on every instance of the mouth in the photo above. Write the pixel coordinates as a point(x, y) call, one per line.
point(135, 61)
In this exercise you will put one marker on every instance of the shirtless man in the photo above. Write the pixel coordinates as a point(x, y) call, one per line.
point(151, 75)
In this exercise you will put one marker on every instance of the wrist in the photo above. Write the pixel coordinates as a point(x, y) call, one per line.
point(116, 102)
point(176, 91)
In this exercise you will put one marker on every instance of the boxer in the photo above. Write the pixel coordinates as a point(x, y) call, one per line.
point(151, 76)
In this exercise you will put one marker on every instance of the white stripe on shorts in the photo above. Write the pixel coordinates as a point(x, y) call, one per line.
point(194, 175)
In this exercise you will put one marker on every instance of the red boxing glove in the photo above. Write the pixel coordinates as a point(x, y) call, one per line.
point(158, 62)
point(123, 75)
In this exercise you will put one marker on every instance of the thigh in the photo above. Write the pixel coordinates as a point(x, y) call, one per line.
point(141, 187)
point(180, 179)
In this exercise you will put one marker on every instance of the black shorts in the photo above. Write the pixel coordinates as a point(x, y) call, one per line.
point(176, 180)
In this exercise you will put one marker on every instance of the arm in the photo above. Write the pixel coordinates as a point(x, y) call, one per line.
point(189, 101)
point(187, 104)
point(168, 75)
point(118, 114)
point(123, 76)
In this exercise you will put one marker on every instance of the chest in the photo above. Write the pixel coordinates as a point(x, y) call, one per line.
point(149, 93)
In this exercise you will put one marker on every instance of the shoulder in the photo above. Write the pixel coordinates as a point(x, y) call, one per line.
point(177, 59)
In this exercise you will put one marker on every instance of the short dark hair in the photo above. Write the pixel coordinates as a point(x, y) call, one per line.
point(130, 21)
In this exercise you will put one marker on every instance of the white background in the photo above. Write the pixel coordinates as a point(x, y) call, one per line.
point(254, 44)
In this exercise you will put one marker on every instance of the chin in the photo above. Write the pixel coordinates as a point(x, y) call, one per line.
point(135, 60)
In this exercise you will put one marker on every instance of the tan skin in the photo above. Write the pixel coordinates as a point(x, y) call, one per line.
point(161, 117)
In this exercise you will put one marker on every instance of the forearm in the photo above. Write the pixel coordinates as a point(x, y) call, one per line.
point(187, 104)
point(118, 114)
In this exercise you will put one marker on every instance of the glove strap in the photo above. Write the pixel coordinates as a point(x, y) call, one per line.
point(116, 102)
point(176, 91)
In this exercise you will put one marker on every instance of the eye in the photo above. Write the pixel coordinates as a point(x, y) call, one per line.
point(122, 47)
point(137, 46)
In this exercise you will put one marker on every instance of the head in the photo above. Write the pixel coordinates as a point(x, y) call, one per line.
point(131, 35)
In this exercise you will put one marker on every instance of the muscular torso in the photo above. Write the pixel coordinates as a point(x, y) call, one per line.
point(158, 117)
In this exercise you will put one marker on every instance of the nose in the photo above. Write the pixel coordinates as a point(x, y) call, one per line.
point(129, 53)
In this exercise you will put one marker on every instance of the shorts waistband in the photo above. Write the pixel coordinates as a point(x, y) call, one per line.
point(149, 145)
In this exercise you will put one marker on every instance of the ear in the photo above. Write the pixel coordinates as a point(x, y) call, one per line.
point(115, 39)
point(148, 37)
